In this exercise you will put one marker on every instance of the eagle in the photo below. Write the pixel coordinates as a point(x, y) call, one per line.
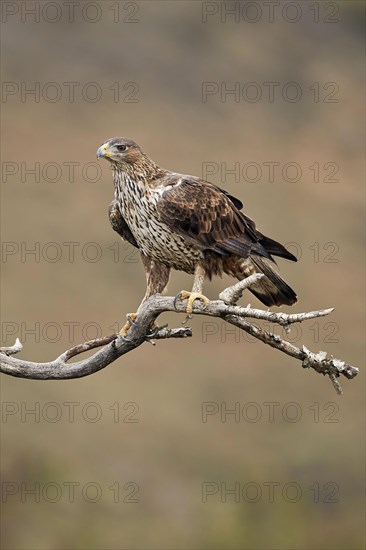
point(185, 223)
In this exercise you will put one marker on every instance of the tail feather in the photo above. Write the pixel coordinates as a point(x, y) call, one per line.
point(270, 246)
point(271, 289)
point(276, 248)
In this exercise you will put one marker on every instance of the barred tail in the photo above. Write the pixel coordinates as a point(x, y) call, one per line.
point(271, 290)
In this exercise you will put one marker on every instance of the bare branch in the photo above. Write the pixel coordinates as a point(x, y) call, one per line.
point(232, 294)
point(12, 349)
point(317, 361)
point(114, 346)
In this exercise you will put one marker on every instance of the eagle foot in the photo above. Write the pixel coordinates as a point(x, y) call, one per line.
point(131, 318)
point(191, 296)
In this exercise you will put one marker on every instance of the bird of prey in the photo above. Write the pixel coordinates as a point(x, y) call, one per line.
point(188, 224)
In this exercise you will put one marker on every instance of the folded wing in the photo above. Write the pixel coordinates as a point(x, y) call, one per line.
point(212, 219)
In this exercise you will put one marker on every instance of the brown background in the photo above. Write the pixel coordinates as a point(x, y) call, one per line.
point(168, 53)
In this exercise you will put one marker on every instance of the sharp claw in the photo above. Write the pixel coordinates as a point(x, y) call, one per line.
point(191, 297)
point(131, 320)
point(176, 299)
point(154, 329)
point(188, 318)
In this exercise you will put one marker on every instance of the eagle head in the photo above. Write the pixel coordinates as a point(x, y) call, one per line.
point(120, 150)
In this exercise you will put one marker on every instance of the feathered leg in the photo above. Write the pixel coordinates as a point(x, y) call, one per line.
point(157, 278)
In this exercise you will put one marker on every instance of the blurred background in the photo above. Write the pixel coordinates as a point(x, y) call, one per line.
point(267, 101)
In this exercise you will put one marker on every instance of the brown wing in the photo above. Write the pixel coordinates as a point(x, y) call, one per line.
point(206, 215)
point(119, 224)
point(239, 205)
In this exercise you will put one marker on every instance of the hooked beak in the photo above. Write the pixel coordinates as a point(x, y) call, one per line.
point(103, 151)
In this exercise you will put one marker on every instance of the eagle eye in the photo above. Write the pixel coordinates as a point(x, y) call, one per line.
point(121, 148)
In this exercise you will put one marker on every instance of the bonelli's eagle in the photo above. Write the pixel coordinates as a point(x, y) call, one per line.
point(186, 223)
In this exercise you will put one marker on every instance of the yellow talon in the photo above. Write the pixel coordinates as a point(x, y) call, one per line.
point(192, 296)
point(132, 317)
point(126, 327)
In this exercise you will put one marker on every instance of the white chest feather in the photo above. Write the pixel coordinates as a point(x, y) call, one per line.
point(138, 205)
